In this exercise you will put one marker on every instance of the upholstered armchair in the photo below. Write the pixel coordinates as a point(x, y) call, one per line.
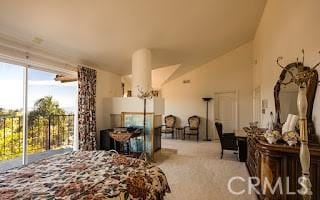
point(228, 141)
point(193, 128)
point(168, 127)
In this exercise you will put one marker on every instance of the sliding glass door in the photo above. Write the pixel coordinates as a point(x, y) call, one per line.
point(49, 104)
point(11, 111)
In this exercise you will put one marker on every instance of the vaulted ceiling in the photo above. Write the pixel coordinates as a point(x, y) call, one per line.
point(105, 33)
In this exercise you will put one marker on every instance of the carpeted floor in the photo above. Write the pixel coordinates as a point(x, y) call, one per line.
point(196, 172)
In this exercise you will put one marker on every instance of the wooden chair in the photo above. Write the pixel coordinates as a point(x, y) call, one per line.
point(228, 141)
point(168, 127)
point(193, 128)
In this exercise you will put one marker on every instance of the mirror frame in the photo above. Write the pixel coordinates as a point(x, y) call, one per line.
point(311, 93)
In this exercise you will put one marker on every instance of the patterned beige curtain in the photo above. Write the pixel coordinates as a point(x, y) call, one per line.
point(87, 108)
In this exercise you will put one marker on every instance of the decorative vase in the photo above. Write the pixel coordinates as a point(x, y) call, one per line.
point(271, 122)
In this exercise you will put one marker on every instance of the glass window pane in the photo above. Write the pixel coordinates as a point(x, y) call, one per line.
point(51, 106)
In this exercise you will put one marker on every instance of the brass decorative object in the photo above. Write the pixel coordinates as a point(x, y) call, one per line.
point(302, 79)
point(144, 95)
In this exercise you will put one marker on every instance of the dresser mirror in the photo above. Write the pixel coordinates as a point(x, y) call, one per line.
point(288, 95)
point(285, 96)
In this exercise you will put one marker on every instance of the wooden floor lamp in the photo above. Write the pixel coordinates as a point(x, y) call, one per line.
point(207, 99)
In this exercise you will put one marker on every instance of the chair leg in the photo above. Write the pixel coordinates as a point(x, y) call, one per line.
point(198, 137)
point(221, 154)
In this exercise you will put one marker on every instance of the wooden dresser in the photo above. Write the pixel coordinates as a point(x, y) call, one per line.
point(267, 161)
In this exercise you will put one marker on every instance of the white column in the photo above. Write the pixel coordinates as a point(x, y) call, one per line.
point(141, 71)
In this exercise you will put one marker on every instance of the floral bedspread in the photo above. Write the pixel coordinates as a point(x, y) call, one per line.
point(85, 175)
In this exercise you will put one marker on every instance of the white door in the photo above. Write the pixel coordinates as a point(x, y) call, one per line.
point(226, 110)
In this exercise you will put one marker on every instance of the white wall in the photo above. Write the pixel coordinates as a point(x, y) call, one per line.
point(230, 72)
point(108, 85)
point(117, 105)
point(286, 27)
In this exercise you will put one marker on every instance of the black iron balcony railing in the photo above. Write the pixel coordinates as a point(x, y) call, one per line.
point(44, 133)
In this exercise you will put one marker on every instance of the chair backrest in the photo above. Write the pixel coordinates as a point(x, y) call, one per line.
point(170, 121)
point(194, 122)
point(219, 128)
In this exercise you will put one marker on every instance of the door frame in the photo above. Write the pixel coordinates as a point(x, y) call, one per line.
point(255, 116)
point(27, 65)
point(236, 94)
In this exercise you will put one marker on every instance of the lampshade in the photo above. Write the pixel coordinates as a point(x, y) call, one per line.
point(206, 98)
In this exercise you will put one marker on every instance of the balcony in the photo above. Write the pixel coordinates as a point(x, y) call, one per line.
point(45, 135)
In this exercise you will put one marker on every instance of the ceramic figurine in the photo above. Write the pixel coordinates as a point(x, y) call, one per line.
point(272, 136)
point(291, 137)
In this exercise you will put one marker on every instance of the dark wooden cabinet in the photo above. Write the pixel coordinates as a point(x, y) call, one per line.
point(242, 148)
point(157, 139)
point(271, 162)
point(106, 142)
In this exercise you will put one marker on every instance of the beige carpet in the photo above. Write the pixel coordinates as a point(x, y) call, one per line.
point(196, 172)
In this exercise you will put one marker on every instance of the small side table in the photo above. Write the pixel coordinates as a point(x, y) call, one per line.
point(179, 131)
point(241, 136)
point(123, 139)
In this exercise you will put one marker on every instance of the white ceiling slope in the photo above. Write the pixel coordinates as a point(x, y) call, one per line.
point(105, 33)
point(159, 76)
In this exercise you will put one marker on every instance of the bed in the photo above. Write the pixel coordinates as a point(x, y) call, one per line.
point(85, 175)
